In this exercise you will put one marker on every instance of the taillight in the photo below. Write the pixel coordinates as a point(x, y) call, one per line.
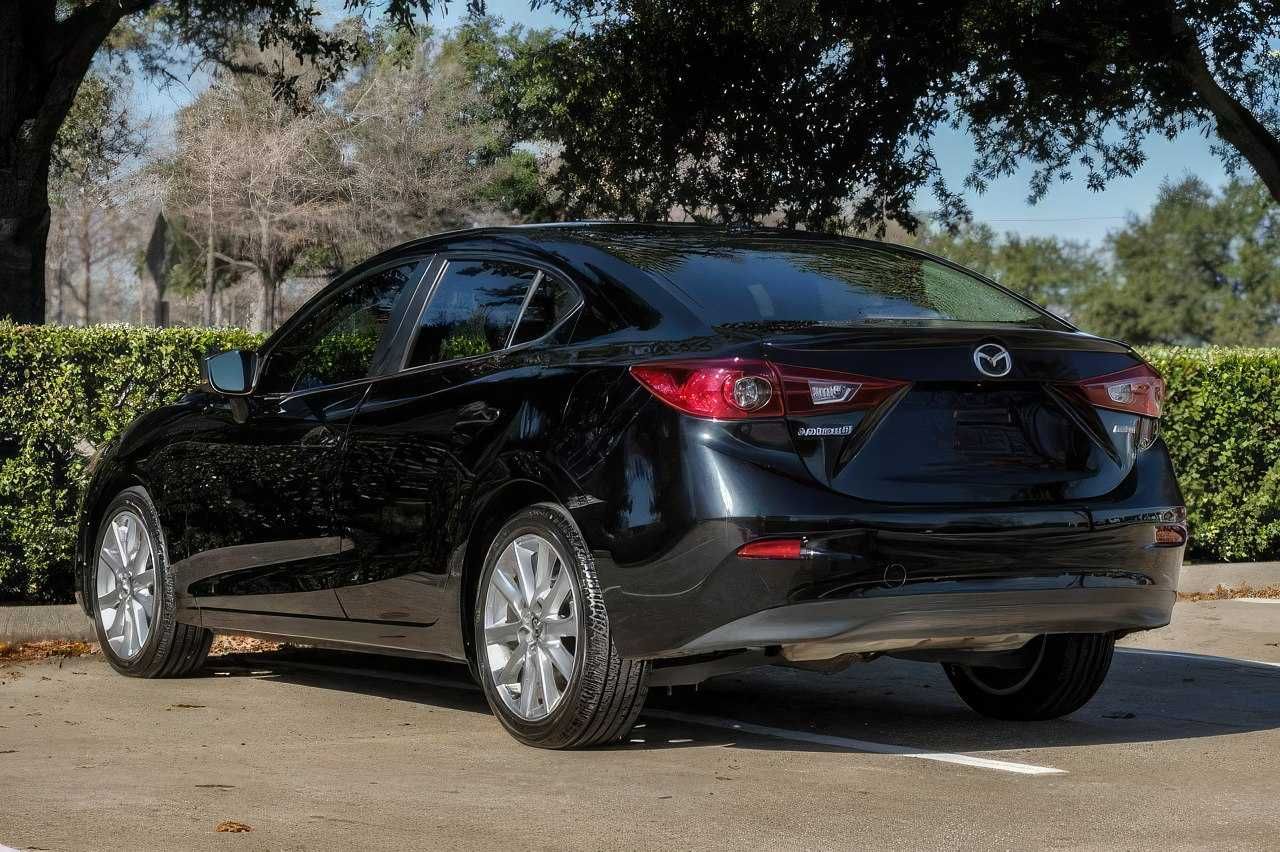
point(741, 388)
point(812, 391)
point(727, 389)
point(1137, 390)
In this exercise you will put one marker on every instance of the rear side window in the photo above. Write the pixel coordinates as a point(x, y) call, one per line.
point(837, 284)
point(551, 302)
point(472, 311)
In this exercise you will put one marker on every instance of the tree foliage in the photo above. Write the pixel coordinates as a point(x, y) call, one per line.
point(1200, 267)
point(47, 47)
point(827, 112)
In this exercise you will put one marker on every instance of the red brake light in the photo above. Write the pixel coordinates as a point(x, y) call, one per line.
point(773, 548)
point(1137, 390)
point(728, 389)
point(741, 388)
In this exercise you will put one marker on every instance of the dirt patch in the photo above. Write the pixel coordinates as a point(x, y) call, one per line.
point(1222, 593)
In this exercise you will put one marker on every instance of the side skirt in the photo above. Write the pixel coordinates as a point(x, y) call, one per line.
point(342, 634)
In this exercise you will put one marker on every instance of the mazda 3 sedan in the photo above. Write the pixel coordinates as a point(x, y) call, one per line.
point(588, 459)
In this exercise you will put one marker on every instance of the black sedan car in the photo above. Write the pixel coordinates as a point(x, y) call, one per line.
point(587, 459)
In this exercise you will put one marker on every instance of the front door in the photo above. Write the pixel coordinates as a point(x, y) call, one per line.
point(260, 536)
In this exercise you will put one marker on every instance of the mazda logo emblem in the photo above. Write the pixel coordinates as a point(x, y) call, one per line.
point(992, 360)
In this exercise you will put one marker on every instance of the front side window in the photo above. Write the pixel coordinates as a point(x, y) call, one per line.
point(337, 342)
point(472, 311)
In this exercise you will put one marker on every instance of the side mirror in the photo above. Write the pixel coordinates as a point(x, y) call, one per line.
point(230, 373)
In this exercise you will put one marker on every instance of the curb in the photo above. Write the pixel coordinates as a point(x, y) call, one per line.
point(65, 622)
point(1206, 578)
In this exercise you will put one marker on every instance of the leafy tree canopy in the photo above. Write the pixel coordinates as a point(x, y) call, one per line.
point(47, 47)
point(1201, 267)
point(826, 112)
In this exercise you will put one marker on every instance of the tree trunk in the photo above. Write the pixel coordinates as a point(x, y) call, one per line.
point(208, 257)
point(24, 233)
point(1236, 125)
point(86, 260)
point(268, 297)
point(42, 62)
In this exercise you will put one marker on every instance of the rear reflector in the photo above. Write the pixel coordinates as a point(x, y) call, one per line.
point(773, 548)
point(1137, 390)
point(1171, 535)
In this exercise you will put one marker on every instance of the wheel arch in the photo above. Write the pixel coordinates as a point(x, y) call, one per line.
point(101, 491)
point(490, 515)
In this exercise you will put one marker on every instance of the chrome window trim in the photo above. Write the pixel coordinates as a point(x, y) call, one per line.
point(424, 261)
point(542, 273)
point(528, 297)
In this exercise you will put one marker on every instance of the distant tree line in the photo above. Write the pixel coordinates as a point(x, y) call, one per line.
point(1202, 266)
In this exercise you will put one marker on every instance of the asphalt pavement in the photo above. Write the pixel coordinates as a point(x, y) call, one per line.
point(1180, 750)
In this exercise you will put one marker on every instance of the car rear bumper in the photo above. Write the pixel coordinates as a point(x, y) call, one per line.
point(894, 588)
point(989, 621)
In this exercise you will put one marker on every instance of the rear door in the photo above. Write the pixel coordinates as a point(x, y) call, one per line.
point(423, 437)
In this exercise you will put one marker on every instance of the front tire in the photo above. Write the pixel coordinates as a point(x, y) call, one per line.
point(544, 653)
point(1064, 672)
point(135, 600)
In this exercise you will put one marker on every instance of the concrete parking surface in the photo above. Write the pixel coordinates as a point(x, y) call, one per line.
point(1180, 749)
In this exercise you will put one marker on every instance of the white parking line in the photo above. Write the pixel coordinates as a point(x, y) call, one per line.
point(728, 724)
point(854, 745)
point(1209, 657)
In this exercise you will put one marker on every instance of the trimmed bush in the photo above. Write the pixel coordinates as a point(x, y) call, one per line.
point(1222, 426)
point(63, 388)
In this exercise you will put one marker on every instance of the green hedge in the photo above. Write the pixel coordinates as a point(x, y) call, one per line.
point(60, 386)
point(1222, 426)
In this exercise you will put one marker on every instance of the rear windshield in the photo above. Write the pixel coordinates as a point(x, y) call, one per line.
point(837, 284)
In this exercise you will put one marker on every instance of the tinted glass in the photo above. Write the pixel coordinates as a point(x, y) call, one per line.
point(549, 304)
point(337, 343)
point(783, 282)
point(471, 311)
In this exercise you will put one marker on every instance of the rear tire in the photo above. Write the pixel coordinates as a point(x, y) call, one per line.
point(602, 696)
point(1066, 671)
point(135, 596)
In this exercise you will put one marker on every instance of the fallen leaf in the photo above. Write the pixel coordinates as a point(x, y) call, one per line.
point(233, 827)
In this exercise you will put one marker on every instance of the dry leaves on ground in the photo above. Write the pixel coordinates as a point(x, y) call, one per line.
point(233, 826)
point(231, 644)
point(27, 651)
point(1222, 593)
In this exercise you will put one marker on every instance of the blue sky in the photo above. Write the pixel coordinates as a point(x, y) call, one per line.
point(1070, 210)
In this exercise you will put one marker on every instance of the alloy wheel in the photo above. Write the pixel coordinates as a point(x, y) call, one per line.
point(531, 624)
point(126, 584)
